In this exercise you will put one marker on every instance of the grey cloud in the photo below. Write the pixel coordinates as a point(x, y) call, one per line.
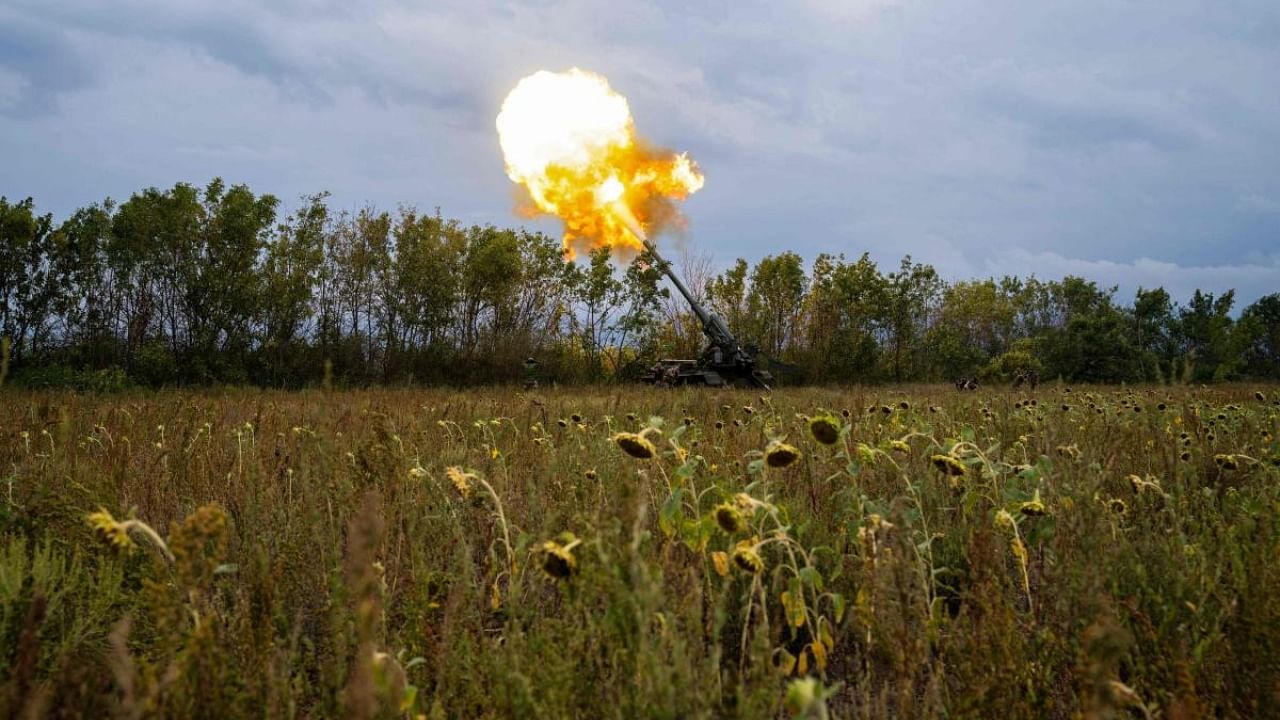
point(1107, 132)
point(1250, 280)
point(44, 63)
point(1084, 130)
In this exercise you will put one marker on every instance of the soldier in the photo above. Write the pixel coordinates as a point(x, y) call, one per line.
point(530, 367)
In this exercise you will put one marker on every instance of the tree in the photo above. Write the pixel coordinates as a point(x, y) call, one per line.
point(775, 302)
point(727, 295)
point(600, 298)
point(1153, 332)
point(1204, 332)
point(86, 302)
point(25, 290)
point(1259, 338)
point(1087, 339)
point(909, 297)
point(844, 310)
point(976, 321)
point(289, 275)
point(424, 279)
point(223, 289)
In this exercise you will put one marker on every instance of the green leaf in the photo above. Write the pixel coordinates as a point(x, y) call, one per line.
point(811, 577)
point(670, 512)
point(837, 606)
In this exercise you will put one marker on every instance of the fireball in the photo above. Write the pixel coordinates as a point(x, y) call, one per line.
point(568, 139)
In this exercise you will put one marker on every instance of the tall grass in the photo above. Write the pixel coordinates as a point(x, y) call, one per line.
point(1101, 552)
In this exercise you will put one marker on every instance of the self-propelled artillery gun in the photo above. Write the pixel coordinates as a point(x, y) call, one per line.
point(723, 363)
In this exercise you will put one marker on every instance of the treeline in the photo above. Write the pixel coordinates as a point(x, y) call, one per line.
point(211, 285)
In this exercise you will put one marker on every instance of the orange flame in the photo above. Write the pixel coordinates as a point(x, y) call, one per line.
point(569, 140)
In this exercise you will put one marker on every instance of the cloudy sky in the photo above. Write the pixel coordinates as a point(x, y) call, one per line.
point(1135, 142)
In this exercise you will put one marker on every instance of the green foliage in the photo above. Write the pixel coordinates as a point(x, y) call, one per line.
point(200, 286)
point(1005, 367)
point(1259, 333)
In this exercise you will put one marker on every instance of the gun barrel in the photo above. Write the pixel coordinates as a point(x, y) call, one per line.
point(698, 310)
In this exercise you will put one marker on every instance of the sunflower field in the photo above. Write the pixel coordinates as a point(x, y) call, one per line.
point(631, 552)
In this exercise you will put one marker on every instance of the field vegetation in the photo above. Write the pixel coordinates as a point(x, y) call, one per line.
point(906, 552)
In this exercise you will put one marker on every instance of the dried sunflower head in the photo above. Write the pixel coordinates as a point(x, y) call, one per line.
point(825, 429)
point(1227, 462)
point(113, 531)
point(779, 454)
point(747, 559)
point(1033, 508)
point(948, 464)
point(558, 561)
point(729, 518)
point(635, 444)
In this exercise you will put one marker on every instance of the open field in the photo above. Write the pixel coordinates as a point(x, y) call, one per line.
point(1109, 552)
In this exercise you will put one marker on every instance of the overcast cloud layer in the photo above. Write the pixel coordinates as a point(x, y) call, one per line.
point(1133, 142)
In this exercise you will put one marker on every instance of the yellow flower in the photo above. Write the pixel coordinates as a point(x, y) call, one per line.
point(899, 446)
point(461, 480)
point(729, 518)
point(635, 444)
point(825, 429)
point(779, 454)
point(721, 562)
point(747, 559)
point(114, 532)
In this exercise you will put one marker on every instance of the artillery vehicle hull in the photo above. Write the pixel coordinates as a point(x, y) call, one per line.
point(673, 373)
